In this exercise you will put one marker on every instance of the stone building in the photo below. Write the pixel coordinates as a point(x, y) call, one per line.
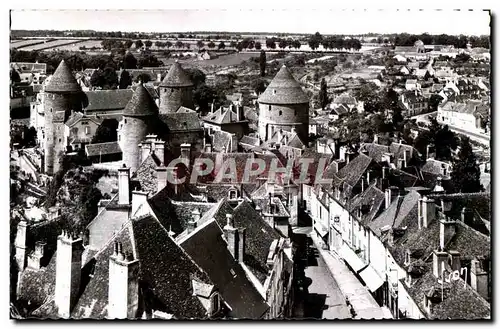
point(62, 96)
point(137, 123)
point(283, 105)
point(176, 90)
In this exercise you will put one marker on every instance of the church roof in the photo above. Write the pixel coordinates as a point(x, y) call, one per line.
point(284, 89)
point(141, 103)
point(176, 77)
point(63, 80)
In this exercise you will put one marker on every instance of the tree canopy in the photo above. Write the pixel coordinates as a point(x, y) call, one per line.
point(106, 132)
point(465, 176)
point(323, 94)
point(125, 80)
point(262, 63)
point(105, 79)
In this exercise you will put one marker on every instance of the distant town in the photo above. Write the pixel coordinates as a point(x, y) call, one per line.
point(222, 175)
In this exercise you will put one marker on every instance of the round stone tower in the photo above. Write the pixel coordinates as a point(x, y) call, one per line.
point(138, 121)
point(176, 90)
point(284, 105)
point(62, 95)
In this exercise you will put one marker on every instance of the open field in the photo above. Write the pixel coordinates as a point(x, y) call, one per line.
point(76, 46)
point(16, 44)
point(50, 45)
point(225, 60)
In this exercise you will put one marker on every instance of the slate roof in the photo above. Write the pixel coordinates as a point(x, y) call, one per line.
point(480, 202)
point(221, 141)
point(250, 140)
point(184, 109)
point(345, 99)
point(400, 213)
point(141, 104)
point(102, 149)
point(181, 121)
point(176, 77)
point(102, 100)
point(459, 302)
point(284, 89)
point(77, 116)
point(469, 242)
point(259, 237)
point(434, 166)
point(207, 248)
point(352, 172)
point(375, 151)
point(146, 174)
point(166, 273)
point(372, 199)
point(63, 81)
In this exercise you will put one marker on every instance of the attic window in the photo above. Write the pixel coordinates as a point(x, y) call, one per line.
point(214, 303)
point(274, 91)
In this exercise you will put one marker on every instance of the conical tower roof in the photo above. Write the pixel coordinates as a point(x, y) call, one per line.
point(284, 89)
point(176, 77)
point(141, 104)
point(63, 80)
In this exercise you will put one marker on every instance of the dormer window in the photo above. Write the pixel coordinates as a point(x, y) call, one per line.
point(214, 303)
point(233, 194)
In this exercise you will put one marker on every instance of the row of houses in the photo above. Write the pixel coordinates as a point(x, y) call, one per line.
point(403, 236)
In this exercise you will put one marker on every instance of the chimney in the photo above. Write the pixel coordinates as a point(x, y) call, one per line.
point(348, 156)
point(241, 245)
point(20, 244)
point(146, 149)
point(123, 285)
point(479, 278)
point(446, 232)
point(159, 149)
point(368, 174)
point(428, 211)
point(390, 195)
point(36, 256)
point(138, 198)
point(293, 130)
point(231, 235)
point(172, 172)
point(158, 77)
point(258, 209)
point(68, 273)
point(342, 151)
point(193, 221)
point(454, 256)
point(208, 148)
point(375, 139)
point(439, 259)
point(161, 176)
point(186, 151)
point(467, 216)
point(234, 143)
point(124, 185)
point(427, 151)
point(204, 193)
point(212, 107)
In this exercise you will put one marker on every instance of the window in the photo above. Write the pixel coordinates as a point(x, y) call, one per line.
point(214, 303)
point(51, 110)
point(280, 112)
point(119, 138)
point(269, 107)
point(59, 140)
point(125, 120)
point(87, 130)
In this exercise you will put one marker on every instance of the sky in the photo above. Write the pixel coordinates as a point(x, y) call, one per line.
point(325, 21)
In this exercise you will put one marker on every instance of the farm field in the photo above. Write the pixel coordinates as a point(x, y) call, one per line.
point(76, 46)
point(50, 45)
point(16, 44)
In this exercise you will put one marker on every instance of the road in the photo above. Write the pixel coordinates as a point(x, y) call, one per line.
point(324, 299)
point(321, 297)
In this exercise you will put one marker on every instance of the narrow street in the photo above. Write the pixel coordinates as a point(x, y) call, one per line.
point(320, 297)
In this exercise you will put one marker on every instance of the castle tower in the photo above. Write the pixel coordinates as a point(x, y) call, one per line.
point(62, 95)
point(137, 123)
point(176, 90)
point(283, 105)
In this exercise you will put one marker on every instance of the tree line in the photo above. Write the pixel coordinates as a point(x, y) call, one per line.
point(79, 61)
point(460, 41)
